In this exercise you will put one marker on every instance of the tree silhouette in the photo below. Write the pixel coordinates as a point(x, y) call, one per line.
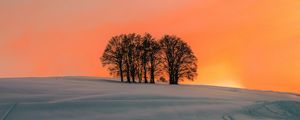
point(155, 59)
point(133, 55)
point(130, 44)
point(180, 61)
point(145, 48)
point(113, 56)
point(138, 50)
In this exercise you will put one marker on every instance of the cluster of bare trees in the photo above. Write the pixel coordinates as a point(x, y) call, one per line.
point(139, 57)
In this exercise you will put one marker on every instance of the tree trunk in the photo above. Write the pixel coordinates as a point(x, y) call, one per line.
point(121, 71)
point(152, 76)
point(152, 70)
point(127, 73)
point(140, 76)
point(121, 75)
point(145, 73)
point(176, 77)
point(171, 77)
point(133, 74)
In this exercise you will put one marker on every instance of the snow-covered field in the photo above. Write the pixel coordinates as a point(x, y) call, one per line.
point(88, 98)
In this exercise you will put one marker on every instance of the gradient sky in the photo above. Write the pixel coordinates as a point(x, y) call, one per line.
point(252, 44)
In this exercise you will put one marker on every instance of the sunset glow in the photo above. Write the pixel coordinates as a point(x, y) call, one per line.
point(253, 44)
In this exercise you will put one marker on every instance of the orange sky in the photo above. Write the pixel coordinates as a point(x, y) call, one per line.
point(252, 44)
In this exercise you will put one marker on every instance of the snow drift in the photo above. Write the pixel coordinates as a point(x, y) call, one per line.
point(88, 98)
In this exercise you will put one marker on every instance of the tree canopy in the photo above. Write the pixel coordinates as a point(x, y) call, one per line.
point(139, 56)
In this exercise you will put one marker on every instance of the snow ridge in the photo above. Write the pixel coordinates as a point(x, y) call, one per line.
point(8, 111)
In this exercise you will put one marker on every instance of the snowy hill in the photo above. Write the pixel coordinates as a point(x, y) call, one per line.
point(87, 98)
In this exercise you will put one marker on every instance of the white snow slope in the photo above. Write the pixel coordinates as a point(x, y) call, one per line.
point(87, 98)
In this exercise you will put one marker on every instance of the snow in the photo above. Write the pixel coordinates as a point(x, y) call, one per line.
point(91, 98)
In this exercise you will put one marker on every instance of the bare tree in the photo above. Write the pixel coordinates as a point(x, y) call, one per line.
point(150, 57)
point(145, 48)
point(113, 56)
point(130, 44)
point(155, 59)
point(132, 55)
point(180, 61)
point(138, 55)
